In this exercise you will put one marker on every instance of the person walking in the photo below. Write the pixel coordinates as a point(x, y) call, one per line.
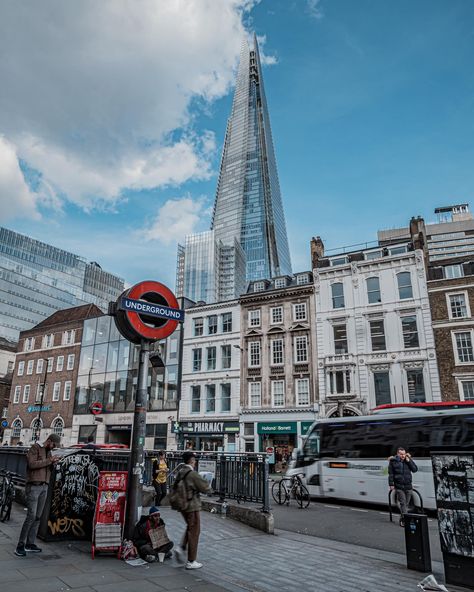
point(160, 474)
point(400, 469)
point(38, 472)
point(195, 485)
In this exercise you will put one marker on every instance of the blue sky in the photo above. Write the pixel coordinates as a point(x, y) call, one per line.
point(111, 142)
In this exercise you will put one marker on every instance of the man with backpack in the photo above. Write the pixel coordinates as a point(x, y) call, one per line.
point(185, 497)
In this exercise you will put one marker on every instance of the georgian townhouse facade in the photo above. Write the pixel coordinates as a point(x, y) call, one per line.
point(278, 349)
point(374, 337)
point(44, 377)
point(210, 394)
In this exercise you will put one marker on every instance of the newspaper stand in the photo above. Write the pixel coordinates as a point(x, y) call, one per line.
point(109, 514)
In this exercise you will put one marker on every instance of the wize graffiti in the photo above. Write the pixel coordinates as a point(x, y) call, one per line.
point(73, 496)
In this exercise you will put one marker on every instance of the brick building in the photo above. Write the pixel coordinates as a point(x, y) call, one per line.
point(45, 375)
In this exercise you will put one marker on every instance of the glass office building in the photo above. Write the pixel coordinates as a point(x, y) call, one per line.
point(248, 205)
point(37, 279)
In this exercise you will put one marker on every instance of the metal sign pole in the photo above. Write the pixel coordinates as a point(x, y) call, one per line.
point(137, 457)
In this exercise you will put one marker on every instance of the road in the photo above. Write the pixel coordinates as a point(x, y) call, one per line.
point(359, 525)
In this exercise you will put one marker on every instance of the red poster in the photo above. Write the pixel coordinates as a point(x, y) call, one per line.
point(110, 510)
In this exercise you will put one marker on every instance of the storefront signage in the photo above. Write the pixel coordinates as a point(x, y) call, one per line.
point(305, 425)
point(38, 408)
point(277, 427)
point(205, 427)
point(119, 428)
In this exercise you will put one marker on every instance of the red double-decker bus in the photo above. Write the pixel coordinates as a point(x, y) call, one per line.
point(431, 406)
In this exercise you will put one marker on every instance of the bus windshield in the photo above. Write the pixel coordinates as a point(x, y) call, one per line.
point(312, 445)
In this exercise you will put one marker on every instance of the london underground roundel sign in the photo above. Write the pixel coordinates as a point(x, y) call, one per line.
point(149, 310)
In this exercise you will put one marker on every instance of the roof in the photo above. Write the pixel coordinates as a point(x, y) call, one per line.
point(68, 315)
point(6, 345)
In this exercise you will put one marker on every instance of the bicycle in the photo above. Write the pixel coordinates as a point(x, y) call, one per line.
point(7, 495)
point(282, 491)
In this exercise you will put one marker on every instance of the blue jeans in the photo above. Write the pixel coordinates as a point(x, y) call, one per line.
point(35, 501)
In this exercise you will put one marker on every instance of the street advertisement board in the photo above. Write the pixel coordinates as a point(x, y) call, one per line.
point(109, 514)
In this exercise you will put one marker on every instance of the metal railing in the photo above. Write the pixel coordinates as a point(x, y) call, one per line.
point(392, 493)
point(240, 476)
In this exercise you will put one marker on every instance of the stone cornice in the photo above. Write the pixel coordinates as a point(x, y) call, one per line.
point(280, 295)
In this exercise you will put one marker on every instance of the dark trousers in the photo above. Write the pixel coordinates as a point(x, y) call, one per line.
point(35, 501)
point(160, 492)
point(404, 499)
point(191, 536)
point(145, 550)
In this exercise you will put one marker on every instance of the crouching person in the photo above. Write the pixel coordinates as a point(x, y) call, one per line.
point(150, 536)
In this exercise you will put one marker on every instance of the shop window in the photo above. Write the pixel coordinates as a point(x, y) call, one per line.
point(210, 398)
point(85, 431)
point(225, 397)
point(196, 399)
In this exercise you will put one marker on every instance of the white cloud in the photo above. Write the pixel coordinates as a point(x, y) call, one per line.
point(96, 95)
point(314, 8)
point(16, 199)
point(266, 60)
point(176, 218)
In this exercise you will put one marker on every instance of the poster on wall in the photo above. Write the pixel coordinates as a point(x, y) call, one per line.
point(454, 490)
point(71, 499)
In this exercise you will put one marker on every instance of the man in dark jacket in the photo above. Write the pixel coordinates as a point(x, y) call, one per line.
point(39, 463)
point(141, 536)
point(400, 468)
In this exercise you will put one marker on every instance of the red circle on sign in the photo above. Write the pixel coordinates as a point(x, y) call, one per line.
point(153, 333)
point(96, 408)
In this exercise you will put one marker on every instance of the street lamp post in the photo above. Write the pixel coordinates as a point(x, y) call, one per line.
point(42, 389)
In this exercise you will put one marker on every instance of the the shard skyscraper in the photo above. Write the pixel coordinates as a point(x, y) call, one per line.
point(248, 203)
point(248, 239)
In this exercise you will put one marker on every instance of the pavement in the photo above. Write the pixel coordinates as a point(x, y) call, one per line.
point(236, 558)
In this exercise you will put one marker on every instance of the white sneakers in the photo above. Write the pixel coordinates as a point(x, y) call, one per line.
point(193, 565)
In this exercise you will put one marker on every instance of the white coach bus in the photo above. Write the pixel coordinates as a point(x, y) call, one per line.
point(347, 457)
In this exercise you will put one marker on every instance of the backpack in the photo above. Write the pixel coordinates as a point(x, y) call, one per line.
point(179, 495)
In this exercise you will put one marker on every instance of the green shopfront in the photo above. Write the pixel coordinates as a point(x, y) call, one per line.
point(281, 437)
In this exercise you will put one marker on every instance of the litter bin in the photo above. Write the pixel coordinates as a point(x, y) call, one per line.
point(417, 542)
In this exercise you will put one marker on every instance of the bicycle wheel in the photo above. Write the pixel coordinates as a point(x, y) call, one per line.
point(302, 495)
point(279, 492)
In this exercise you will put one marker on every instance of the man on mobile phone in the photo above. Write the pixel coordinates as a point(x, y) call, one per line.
point(400, 469)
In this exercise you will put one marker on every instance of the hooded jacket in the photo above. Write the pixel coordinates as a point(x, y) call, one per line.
point(140, 533)
point(399, 472)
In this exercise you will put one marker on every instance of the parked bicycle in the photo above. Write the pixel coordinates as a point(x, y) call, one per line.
point(288, 487)
point(7, 495)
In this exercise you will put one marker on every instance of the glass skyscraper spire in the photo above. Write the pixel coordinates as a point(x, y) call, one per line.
point(248, 204)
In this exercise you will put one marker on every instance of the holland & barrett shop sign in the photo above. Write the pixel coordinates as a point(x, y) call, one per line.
point(277, 427)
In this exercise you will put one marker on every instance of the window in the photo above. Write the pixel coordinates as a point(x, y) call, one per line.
point(299, 312)
point(21, 368)
point(255, 394)
point(373, 255)
point(26, 393)
point(212, 324)
point(211, 358)
point(227, 322)
point(225, 397)
point(382, 388)
point(280, 283)
point(50, 365)
point(277, 352)
point(67, 391)
point(458, 306)
point(410, 332)
point(29, 367)
point(254, 354)
point(198, 327)
point(468, 390)
point(339, 382)
point(301, 349)
point(302, 391)
point(453, 271)
point(258, 287)
point(56, 391)
point(48, 340)
point(254, 318)
point(249, 429)
point(16, 396)
point(339, 261)
point(302, 278)
point(226, 354)
point(416, 387)
point(377, 335)
point(340, 339)
point(276, 315)
point(39, 366)
point(59, 363)
point(337, 295)
point(197, 359)
point(210, 398)
point(36, 426)
point(16, 428)
point(10, 366)
point(373, 290)
point(278, 393)
point(68, 337)
point(70, 361)
point(398, 250)
point(404, 285)
point(196, 399)
point(58, 426)
point(29, 344)
point(465, 353)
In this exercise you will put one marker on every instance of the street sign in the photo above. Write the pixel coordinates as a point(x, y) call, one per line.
point(4, 423)
point(149, 310)
point(96, 408)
